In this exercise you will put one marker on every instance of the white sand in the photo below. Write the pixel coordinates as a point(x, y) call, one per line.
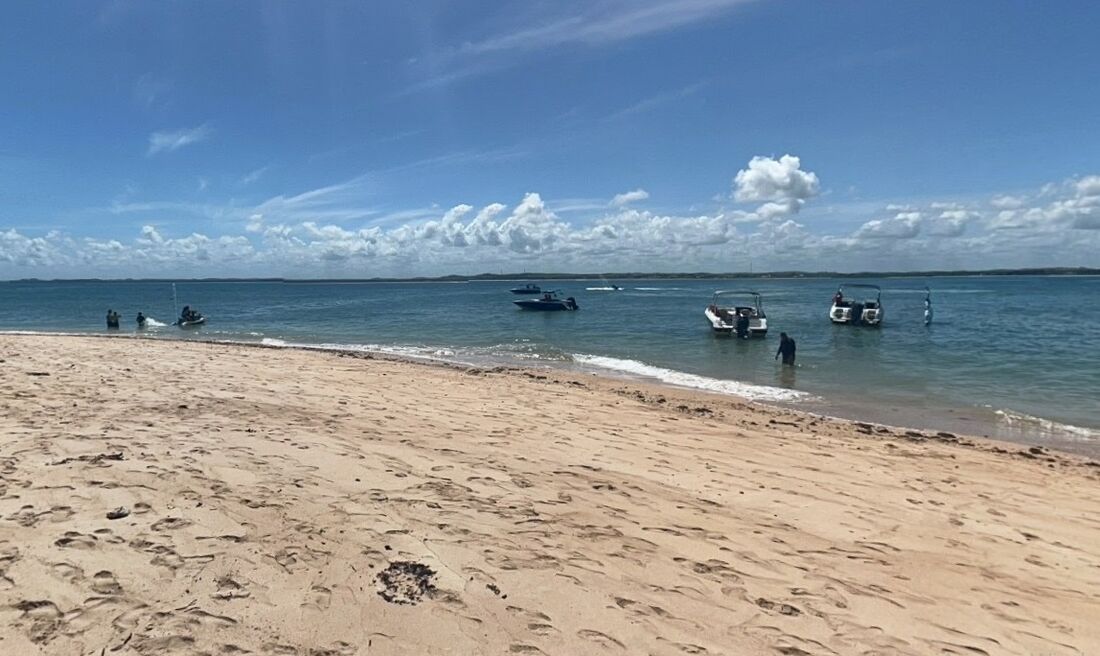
point(268, 489)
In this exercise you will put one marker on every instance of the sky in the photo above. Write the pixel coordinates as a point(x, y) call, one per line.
point(356, 139)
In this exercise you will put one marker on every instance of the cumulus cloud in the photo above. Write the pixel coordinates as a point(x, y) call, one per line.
point(1007, 202)
point(166, 141)
point(315, 233)
point(780, 184)
point(1074, 204)
point(629, 197)
point(904, 225)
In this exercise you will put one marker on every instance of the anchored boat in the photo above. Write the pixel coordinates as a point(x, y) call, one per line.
point(527, 289)
point(549, 302)
point(727, 312)
point(864, 308)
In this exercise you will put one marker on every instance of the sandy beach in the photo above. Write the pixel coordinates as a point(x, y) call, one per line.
point(285, 502)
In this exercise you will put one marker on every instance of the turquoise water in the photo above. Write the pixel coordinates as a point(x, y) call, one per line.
point(1009, 357)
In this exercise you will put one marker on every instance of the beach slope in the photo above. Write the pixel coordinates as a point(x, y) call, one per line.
point(163, 497)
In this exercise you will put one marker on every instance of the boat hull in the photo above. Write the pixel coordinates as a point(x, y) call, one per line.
point(191, 324)
point(758, 327)
point(856, 315)
point(545, 306)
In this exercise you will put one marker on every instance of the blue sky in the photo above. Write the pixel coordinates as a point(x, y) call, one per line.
point(408, 138)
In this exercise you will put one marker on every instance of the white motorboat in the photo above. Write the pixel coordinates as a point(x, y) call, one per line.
point(724, 313)
point(862, 309)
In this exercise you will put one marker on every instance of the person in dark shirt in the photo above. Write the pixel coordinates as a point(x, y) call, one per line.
point(743, 325)
point(140, 320)
point(112, 319)
point(786, 349)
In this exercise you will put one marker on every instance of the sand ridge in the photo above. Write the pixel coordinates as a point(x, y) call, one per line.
point(302, 503)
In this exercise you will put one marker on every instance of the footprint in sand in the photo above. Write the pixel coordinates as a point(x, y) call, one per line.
point(43, 619)
point(170, 523)
point(105, 583)
point(74, 540)
point(601, 639)
point(319, 597)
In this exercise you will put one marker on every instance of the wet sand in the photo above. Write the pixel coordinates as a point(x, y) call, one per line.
point(165, 497)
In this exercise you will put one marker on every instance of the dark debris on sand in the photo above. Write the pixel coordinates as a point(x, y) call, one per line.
point(94, 459)
point(406, 582)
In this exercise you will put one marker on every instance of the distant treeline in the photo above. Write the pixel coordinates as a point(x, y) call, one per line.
point(634, 275)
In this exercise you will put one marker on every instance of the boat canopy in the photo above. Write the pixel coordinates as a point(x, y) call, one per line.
point(736, 292)
point(862, 285)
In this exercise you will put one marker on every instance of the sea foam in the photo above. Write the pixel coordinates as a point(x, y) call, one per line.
point(1023, 421)
point(684, 379)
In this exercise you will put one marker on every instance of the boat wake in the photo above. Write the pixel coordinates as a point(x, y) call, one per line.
point(153, 323)
point(684, 379)
point(603, 289)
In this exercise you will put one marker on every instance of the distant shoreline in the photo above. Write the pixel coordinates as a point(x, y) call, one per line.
point(511, 277)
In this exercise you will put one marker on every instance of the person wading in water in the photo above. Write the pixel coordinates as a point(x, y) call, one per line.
point(786, 349)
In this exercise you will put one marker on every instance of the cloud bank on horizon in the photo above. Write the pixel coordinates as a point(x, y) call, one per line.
point(284, 236)
point(217, 139)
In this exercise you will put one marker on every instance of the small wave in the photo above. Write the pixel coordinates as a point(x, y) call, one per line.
point(659, 289)
point(603, 289)
point(935, 292)
point(1025, 421)
point(421, 352)
point(683, 379)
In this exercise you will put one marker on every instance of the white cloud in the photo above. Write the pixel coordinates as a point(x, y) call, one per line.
point(1073, 205)
point(780, 184)
point(317, 233)
point(601, 22)
point(629, 197)
point(905, 225)
point(167, 141)
point(253, 176)
point(1007, 202)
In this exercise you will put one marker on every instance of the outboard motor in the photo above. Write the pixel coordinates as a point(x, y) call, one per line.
point(857, 313)
point(571, 302)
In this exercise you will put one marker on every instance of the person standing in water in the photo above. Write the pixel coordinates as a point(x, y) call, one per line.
point(140, 320)
point(112, 319)
point(743, 324)
point(786, 349)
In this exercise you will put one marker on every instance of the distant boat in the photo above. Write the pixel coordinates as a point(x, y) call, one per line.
point(190, 318)
point(550, 302)
point(527, 289)
point(191, 323)
point(855, 312)
point(724, 314)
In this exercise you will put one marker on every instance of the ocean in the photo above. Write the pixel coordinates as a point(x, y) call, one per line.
point(1009, 357)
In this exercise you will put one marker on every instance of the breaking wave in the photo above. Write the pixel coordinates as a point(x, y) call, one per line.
point(684, 379)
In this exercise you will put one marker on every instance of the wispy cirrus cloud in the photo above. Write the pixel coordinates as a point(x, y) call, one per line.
point(253, 176)
point(568, 23)
point(601, 23)
point(166, 141)
point(655, 101)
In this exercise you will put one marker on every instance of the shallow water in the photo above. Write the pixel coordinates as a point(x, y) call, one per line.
point(1009, 357)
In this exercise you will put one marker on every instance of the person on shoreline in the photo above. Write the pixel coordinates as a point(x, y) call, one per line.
point(786, 349)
